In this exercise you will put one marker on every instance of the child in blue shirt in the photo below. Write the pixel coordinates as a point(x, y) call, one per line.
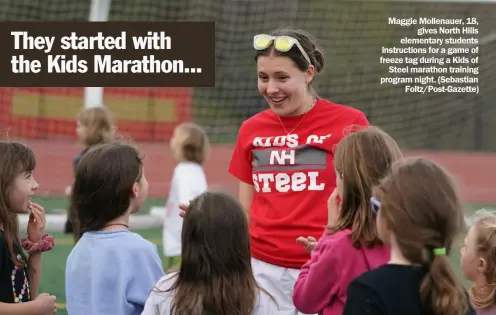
point(110, 270)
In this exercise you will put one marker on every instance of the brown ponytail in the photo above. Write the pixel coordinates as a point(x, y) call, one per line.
point(441, 289)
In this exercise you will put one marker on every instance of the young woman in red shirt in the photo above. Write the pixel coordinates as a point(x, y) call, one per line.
point(283, 159)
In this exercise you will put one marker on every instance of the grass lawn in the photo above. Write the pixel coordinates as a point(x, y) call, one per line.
point(54, 204)
point(54, 262)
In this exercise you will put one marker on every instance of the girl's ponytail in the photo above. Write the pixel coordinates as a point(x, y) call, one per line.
point(440, 287)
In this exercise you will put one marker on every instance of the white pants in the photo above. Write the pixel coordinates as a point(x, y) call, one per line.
point(279, 282)
point(171, 234)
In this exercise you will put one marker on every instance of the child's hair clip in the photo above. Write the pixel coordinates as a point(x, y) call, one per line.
point(439, 251)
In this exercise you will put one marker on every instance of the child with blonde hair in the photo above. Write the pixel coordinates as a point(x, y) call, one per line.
point(419, 214)
point(189, 146)
point(350, 245)
point(478, 262)
point(95, 125)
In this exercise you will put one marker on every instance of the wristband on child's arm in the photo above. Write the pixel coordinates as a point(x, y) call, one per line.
point(45, 244)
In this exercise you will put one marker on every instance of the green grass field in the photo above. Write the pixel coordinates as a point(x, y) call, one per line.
point(57, 204)
point(54, 261)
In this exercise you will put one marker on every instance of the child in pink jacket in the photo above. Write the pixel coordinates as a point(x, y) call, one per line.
point(350, 245)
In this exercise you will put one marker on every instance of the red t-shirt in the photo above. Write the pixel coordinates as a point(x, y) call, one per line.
point(293, 176)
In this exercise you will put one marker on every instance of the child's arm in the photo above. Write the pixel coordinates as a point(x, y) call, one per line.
point(313, 291)
point(34, 272)
point(43, 305)
point(36, 226)
point(151, 271)
point(28, 308)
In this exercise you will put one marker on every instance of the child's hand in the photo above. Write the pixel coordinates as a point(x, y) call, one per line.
point(308, 242)
point(36, 223)
point(333, 208)
point(45, 304)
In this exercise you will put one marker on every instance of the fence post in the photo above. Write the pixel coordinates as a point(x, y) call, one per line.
point(99, 12)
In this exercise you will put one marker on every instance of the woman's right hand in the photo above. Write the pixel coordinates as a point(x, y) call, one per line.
point(45, 304)
point(308, 242)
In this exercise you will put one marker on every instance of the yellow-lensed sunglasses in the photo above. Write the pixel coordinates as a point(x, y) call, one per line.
point(281, 44)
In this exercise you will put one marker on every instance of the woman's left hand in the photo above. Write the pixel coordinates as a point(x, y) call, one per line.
point(36, 223)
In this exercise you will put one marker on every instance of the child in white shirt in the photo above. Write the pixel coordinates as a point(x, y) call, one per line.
point(215, 276)
point(189, 146)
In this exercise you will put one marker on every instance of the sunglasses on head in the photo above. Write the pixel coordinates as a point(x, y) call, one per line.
point(375, 205)
point(281, 44)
